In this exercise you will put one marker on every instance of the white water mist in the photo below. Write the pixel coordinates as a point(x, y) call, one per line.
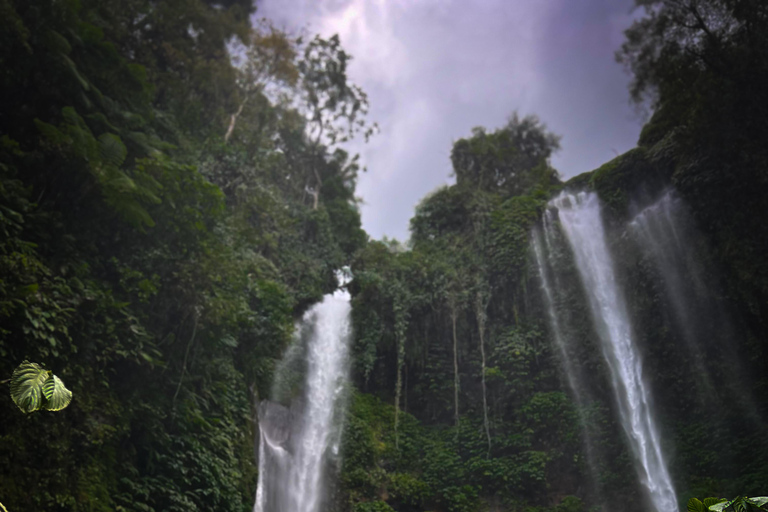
point(581, 220)
point(657, 231)
point(666, 233)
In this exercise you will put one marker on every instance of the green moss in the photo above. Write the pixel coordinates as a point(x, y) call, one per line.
point(627, 176)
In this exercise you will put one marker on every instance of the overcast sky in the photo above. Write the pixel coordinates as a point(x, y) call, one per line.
point(433, 69)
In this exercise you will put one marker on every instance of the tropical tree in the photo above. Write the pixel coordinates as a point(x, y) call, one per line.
point(511, 159)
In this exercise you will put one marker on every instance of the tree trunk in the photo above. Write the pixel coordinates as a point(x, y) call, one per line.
point(400, 340)
point(233, 120)
point(405, 389)
point(455, 368)
point(316, 193)
point(398, 388)
point(481, 317)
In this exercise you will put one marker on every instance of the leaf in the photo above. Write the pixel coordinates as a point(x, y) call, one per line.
point(719, 507)
point(30, 289)
point(57, 43)
point(27, 386)
point(112, 149)
point(760, 501)
point(708, 502)
point(34, 388)
point(229, 341)
point(50, 132)
point(694, 505)
point(132, 212)
point(75, 73)
point(71, 116)
point(57, 395)
point(102, 120)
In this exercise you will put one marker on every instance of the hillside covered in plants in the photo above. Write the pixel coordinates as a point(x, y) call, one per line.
point(165, 216)
point(175, 197)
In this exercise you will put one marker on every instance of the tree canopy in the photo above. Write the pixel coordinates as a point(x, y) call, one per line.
point(513, 158)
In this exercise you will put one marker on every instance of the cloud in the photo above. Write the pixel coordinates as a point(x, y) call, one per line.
point(433, 69)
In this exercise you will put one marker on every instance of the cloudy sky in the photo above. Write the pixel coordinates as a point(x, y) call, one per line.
point(433, 69)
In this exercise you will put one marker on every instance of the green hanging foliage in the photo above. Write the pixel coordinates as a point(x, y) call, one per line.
point(33, 388)
point(127, 192)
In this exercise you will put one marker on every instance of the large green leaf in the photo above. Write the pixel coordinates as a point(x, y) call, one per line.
point(708, 502)
point(51, 133)
point(719, 507)
point(760, 501)
point(27, 386)
point(56, 394)
point(694, 505)
point(34, 388)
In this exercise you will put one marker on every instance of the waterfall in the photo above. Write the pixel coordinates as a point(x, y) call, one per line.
point(573, 375)
point(665, 243)
point(667, 236)
point(554, 321)
point(296, 444)
point(581, 221)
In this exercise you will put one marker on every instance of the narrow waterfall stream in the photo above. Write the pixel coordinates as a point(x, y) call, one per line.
point(550, 287)
point(581, 221)
point(295, 444)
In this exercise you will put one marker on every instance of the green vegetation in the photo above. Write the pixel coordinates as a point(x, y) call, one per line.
point(427, 468)
point(164, 218)
point(739, 504)
point(452, 332)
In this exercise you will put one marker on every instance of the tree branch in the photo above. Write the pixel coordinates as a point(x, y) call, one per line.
point(233, 119)
point(186, 355)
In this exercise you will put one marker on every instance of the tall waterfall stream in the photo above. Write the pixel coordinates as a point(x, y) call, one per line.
point(297, 445)
point(580, 219)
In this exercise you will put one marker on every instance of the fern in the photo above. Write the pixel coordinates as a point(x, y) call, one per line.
point(112, 149)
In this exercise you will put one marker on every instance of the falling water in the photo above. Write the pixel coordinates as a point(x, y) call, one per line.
point(662, 239)
point(666, 233)
point(582, 223)
point(572, 373)
point(554, 321)
point(296, 443)
point(665, 241)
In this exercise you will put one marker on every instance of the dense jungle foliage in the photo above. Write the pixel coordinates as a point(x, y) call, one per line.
point(165, 216)
point(173, 196)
